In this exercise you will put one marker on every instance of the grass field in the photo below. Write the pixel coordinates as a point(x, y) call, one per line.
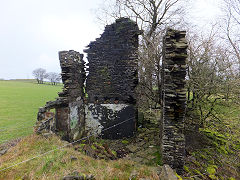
point(19, 103)
point(217, 158)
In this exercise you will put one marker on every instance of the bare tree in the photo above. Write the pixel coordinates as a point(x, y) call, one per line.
point(39, 75)
point(53, 77)
point(211, 78)
point(231, 26)
point(152, 17)
point(149, 14)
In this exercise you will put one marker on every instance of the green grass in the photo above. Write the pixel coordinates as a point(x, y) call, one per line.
point(19, 103)
point(24, 80)
point(220, 159)
point(57, 164)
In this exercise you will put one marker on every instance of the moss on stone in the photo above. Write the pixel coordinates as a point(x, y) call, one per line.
point(186, 169)
point(125, 141)
point(211, 169)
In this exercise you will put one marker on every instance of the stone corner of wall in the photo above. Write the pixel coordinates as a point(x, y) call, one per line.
point(174, 98)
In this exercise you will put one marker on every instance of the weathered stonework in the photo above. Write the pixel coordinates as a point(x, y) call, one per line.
point(174, 99)
point(113, 62)
point(73, 74)
point(70, 116)
point(73, 77)
point(99, 117)
point(110, 88)
point(108, 109)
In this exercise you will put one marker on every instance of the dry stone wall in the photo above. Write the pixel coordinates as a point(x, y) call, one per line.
point(174, 99)
point(113, 62)
point(112, 79)
point(73, 77)
point(70, 116)
point(73, 74)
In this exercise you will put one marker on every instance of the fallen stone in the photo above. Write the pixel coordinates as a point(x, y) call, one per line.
point(148, 151)
point(71, 178)
point(121, 153)
point(167, 173)
point(132, 148)
point(2, 152)
point(137, 159)
point(150, 158)
point(73, 158)
point(47, 135)
point(87, 177)
point(133, 175)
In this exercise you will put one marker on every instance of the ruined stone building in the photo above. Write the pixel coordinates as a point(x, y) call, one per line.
point(107, 98)
point(103, 103)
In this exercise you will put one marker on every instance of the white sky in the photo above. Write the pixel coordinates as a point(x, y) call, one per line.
point(33, 31)
point(204, 12)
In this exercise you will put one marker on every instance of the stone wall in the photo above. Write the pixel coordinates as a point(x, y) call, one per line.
point(113, 62)
point(73, 77)
point(69, 120)
point(111, 96)
point(73, 74)
point(112, 78)
point(174, 99)
point(110, 87)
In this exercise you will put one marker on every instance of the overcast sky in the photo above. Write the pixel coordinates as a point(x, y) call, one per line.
point(33, 31)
